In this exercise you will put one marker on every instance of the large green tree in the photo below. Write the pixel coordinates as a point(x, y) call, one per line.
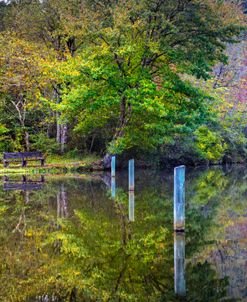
point(129, 70)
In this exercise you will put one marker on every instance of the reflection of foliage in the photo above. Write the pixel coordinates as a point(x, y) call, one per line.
point(221, 219)
point(99, 255)
point(211, 287)
point(208, 187)
point(209, 199)
point(110, 262)
point(22, 231)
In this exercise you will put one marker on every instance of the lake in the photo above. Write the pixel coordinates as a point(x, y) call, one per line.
point(72, 238)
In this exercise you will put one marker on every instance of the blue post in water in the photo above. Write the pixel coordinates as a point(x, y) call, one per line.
point(179, 264)
point(131, 175)
point(113, 166)
point(179, 198)
point(131, 206)
point(113, 174)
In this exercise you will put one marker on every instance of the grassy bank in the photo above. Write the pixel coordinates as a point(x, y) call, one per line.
point(68, 164)
point(54, 165)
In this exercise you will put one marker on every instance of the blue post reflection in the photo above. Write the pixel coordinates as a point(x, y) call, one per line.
point(131, 206)
point(179, 198)
point(179, 264)
point(113, 187)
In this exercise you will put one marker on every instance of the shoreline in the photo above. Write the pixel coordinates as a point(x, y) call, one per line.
point(80, 168)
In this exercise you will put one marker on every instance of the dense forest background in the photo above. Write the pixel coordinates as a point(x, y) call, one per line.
point(160, 80)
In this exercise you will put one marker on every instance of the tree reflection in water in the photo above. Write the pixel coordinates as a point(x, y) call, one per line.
point(99, 254)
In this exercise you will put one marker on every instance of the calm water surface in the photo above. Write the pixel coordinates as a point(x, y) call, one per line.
point(71, 238)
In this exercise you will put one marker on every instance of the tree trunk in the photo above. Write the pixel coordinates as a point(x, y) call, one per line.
point(27, 142)
point(63, 141)
point(125, 114)
point(107, 161)
point(58, 129)
point(62, 134)
point(19, 103)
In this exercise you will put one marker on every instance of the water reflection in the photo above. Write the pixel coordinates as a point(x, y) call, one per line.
point(113, 187)
point(22, 183)
point(179, 263)
point(131, 206)
point(123, 248)
point(62, 202)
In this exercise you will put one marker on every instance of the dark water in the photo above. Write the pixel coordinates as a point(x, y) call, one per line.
point(67, 239)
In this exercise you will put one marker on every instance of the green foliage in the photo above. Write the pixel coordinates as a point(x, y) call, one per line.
point(3, 132)
point(110, 77)
point(235, 137)
point(128, 80)
point(209, 144)
point(44, 144)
